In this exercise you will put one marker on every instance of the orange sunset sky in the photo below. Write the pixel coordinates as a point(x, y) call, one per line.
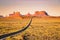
point(52, 7)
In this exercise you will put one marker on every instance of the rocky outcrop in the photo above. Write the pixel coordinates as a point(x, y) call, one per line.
point(40, 14)
point(1, 16)
point(15, 15)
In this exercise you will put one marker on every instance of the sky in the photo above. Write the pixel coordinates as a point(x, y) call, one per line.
point(52, 7)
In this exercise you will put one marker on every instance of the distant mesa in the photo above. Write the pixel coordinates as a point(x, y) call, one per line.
point(40, 14)
point(37, 14)
point(15, 15)
point(1, 16)
point(28, 15)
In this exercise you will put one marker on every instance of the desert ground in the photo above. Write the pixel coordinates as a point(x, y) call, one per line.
point(40, 28)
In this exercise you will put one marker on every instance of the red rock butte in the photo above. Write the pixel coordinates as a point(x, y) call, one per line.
point(1, 16)
point(40, 14)
point(28, 15)
point(15, 15)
